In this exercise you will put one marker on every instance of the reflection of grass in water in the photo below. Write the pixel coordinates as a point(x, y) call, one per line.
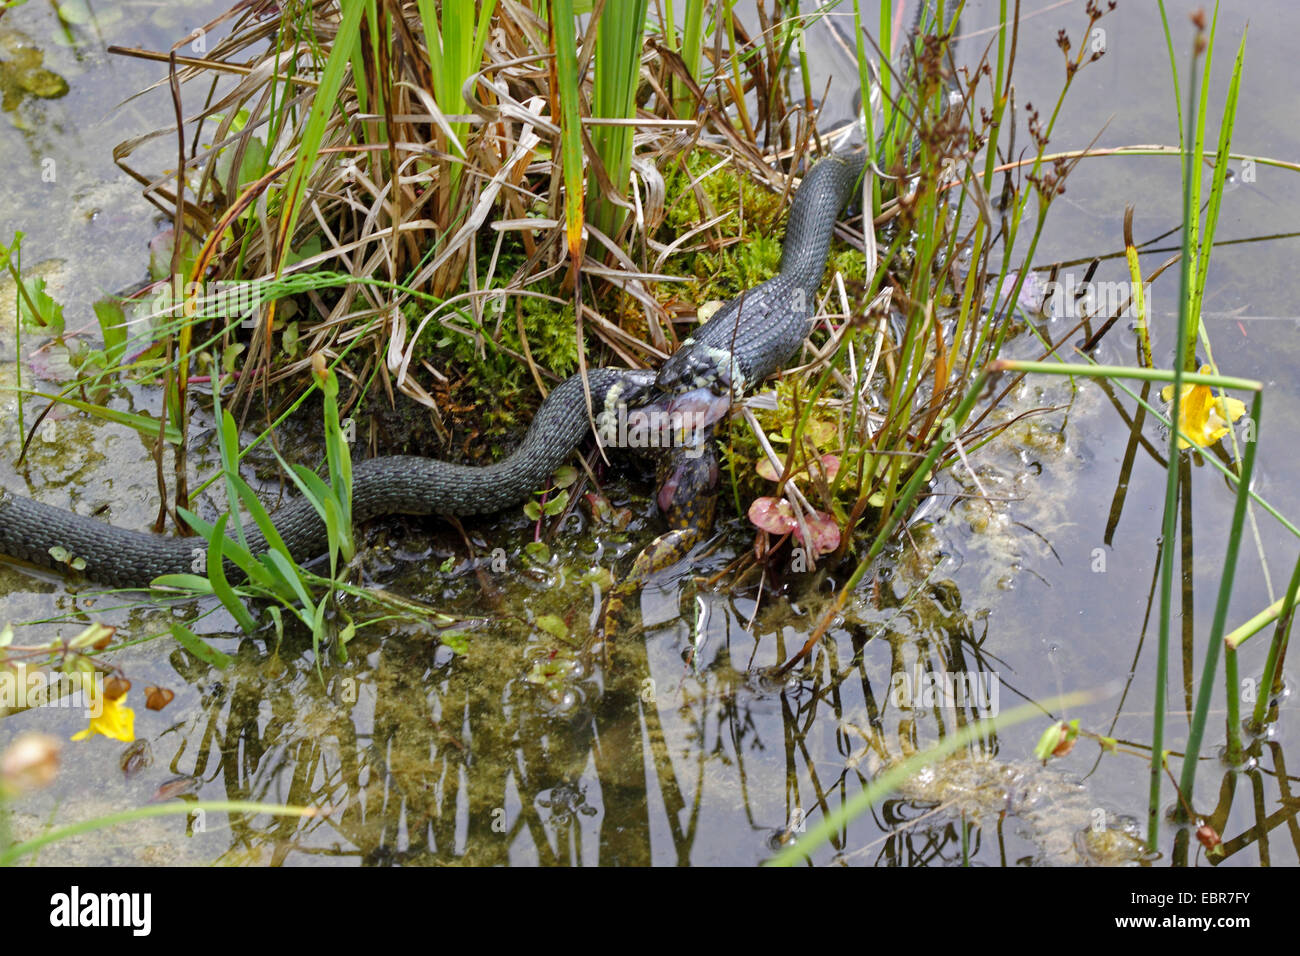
point(893, 778)
point(439, 746)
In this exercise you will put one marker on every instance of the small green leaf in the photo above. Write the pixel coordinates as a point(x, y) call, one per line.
point(289, 571)
point(457, 641)
point(199, 647)
point(311, 485)
point(217, 576)
point(48, 315)
point(556, 505)
point(538, 551)
point(553, 626)
point(182, 582)
point(1057, 740)
point(231, 356)
point(275, 544)
point(532, 510)
point(234, 550)
point(349, 631)
point(277, 619)
point(598, 575)
point(112, 325)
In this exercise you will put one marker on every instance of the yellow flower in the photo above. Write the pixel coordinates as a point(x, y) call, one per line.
point(115, 720)
point(1201, 416)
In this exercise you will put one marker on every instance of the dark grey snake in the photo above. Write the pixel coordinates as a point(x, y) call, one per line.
point(757, 332)
point(748, 339)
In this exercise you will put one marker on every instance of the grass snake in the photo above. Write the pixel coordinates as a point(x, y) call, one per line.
point(747, 339)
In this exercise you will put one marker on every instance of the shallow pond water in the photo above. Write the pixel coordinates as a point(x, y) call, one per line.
point(490, 745)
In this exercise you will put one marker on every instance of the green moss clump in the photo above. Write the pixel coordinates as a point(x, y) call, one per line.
point(484, 358)
point(501, 381)
point(723, 273)
point(851, 264)
point(551, 340)
point(756, 255)
point(723, 190)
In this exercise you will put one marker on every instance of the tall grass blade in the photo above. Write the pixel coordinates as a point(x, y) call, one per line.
point(619, 38)
point(322, 108)
point(1210, 666)
point(564, 43)
point(1169, 526)
point(217, 576)
point(1220, 173)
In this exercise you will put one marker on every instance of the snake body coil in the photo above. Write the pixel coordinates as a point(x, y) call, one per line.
point(757, 332)
point(750, 338)
point(399, 484)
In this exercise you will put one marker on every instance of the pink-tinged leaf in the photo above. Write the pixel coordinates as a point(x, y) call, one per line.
point(773, 515)
point(820, 431)
point(601, 509)
point(51, 364)
point(767, 470)
point(1033, 293)
point(831, 466)
point(824, 533)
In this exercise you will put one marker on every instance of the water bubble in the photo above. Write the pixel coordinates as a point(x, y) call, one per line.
point(1245, 763)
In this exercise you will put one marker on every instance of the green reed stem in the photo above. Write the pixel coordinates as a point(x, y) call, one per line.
point(1232, 685)
point(1169, 525)
point(1270, 683)
point(1197, 732)
point(619, 38)
point(565, 44)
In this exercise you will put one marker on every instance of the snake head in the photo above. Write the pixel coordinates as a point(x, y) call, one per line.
point(635, 388)
point(696, 365)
